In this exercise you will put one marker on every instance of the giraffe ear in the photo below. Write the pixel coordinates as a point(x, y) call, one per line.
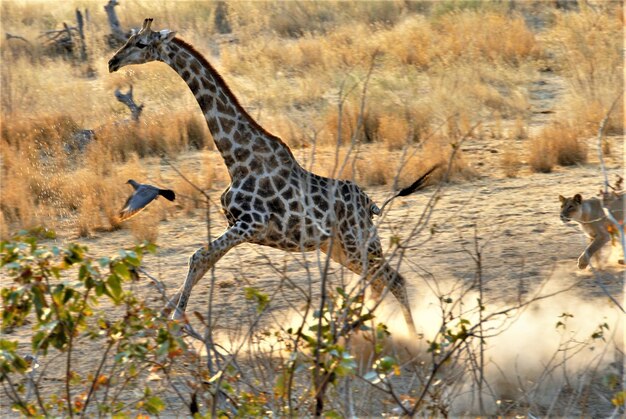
point(166, 35)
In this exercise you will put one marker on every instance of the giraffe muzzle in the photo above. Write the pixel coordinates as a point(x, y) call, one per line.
point(114, 64)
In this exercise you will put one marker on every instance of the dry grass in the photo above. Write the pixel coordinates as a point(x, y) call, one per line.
point(436, 64)
point(188, 198)
point(589, 54)
point(540, 155)
point(510, 163)
point(557, 143)
point(394, 131)
point(146, 227)
point(568, 147)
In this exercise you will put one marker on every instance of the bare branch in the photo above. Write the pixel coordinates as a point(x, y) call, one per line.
point(18, 37)
point(127, 99)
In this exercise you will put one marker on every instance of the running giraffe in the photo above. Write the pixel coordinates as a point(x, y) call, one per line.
point(271, 200)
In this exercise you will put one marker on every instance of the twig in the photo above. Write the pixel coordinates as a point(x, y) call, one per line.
point(600, 135)
point(96, 377)
point(605, 208)
point(21, 38)
point(159, 284)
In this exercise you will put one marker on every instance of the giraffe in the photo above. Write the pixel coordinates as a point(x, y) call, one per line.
point(271, 199)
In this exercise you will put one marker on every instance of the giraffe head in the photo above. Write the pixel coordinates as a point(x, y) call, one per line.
point(142, 47)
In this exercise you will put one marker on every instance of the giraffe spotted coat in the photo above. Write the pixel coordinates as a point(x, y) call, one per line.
point(271, 199)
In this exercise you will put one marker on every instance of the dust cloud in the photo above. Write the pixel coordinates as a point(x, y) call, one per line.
point(558, 343)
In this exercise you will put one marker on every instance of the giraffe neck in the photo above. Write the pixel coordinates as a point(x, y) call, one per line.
point(239, 138)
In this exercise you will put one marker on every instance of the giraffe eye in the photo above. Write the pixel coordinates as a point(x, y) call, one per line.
point(140, 45)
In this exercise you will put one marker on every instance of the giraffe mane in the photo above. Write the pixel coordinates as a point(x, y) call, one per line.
point(219, 79)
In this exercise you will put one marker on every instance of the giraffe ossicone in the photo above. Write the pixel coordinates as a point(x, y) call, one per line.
point(271, 200)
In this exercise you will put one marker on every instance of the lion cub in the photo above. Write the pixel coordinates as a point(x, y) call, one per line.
point(590, 215)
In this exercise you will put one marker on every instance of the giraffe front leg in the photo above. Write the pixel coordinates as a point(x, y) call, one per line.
point(207, 256)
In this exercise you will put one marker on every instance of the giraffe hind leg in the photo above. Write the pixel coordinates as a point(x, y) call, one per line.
point(391, 280)
point(381, 275)
point(207, 256)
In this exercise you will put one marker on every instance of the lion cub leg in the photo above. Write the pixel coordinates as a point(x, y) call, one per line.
point(596, 243)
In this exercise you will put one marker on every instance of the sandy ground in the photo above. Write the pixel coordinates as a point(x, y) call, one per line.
point(523, 245)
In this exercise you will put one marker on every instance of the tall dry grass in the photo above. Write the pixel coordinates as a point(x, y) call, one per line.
point(589, 54)
point(290, 64)
point(557, 143)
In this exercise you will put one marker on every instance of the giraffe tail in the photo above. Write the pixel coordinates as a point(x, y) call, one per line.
point(414, 187)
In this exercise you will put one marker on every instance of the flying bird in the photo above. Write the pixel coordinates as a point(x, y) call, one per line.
point(143, 195)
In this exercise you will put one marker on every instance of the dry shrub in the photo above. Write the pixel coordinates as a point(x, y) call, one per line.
point(374, 168)
point(436, 151)
point(4, 227)
point(405, 127)
point(358, 124)
point(411, 42)
point(145, 226)
point(196, 133)
point(421, 116)
point(18, 203)
point(188, 198)
point(488, 35)
point(481, 88)
point(351, 46)
point(48, 133)
point(588, 52)
point(340, 163)
point(378, 167)
point(540, 155)
point(88, 216)
point(394, 131)
point(311, 53)
point(153, 137)
point(565, 144)
point(187, 195)
point(520, 130)
point(510, 163)
point(332, 133)
point(284, 128)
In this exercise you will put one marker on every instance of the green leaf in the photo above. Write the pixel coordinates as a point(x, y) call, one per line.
point(122, 270)
point(253, 294)
point(154, 405)
point(114, 285)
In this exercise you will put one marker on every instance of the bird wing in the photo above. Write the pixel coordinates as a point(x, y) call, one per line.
point(142, 196)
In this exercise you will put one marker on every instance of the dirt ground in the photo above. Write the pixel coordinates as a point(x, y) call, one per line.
point(523, 243)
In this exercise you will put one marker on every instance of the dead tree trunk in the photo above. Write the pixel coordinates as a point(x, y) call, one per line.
point(81, 33)
point(127, 99)
point(117, 36)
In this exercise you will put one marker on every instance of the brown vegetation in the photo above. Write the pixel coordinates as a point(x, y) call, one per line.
point(452, 83)
point(437, 69)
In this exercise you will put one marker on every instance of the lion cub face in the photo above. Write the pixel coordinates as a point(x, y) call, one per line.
point(571, 208)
